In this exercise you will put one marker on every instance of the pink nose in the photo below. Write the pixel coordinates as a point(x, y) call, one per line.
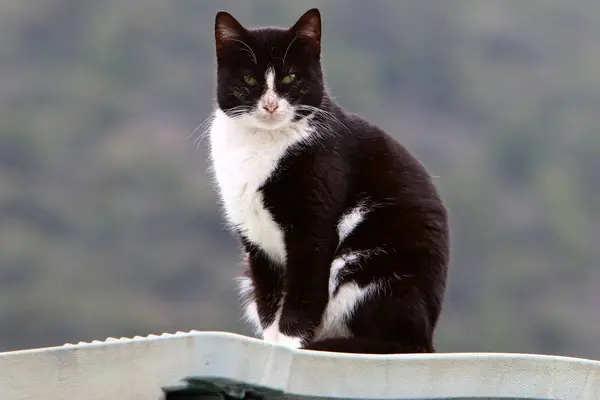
point(270, 108)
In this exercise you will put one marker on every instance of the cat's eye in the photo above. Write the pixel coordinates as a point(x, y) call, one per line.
point(288, 79)
point(250, 80)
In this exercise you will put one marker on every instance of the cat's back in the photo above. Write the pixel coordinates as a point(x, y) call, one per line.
point(383, 168)
point(381, 154)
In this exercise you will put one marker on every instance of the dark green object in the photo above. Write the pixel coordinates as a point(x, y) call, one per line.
point(219, 389)
point(227, 389)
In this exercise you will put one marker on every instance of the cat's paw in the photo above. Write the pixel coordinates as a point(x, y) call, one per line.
point(293, 342)
point(271, 334)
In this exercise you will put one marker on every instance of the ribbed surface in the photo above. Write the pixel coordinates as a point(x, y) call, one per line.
point(126, 339)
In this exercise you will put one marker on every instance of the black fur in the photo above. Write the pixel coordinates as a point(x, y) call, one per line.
point(352, 161)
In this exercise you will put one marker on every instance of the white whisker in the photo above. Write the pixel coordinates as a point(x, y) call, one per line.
point(328, 116)
point(205, 122)
point(249, 49)
point(288, 48)
point(203, 128)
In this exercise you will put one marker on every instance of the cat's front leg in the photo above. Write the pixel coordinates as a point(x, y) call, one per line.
point(305, 285)
point(267, 284)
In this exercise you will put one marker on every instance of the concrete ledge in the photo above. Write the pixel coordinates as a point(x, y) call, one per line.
point(137, 369)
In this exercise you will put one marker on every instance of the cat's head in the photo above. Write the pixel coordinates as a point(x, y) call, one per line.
point(269, 77)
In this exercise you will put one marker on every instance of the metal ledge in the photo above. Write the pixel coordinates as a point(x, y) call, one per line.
point(139, 368)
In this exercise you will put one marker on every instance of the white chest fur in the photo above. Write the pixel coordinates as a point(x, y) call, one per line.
point(243, 158)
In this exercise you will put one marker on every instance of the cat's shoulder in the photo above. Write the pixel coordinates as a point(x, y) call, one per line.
point(363, 128)
point(371, 141)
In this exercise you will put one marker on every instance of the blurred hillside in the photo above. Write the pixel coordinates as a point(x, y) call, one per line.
point(109, 225)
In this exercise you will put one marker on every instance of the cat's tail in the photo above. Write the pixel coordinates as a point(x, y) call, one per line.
point(367, 346)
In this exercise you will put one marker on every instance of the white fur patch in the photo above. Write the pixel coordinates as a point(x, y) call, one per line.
point(252, 316)
point(270, 100)
point(340, 307)
point(340, 262)
point(245, 289)
point(243, 158)
point(271, 332)
point(270, 79)
point(351, 220)
point(245, 286)
point(336, 266)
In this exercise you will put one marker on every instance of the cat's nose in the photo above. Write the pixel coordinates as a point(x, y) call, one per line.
point(270, 107)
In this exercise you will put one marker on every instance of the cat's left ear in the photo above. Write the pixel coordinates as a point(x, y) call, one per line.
point(308, 27)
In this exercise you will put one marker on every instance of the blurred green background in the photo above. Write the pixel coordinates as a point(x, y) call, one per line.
point(109, 225)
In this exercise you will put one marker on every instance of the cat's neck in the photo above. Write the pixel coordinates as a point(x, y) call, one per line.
point(328, 104)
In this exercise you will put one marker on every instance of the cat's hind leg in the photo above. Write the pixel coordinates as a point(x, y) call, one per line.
point(378, 305)
point(383, 325)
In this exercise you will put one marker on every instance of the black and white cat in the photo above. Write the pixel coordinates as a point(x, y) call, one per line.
point(344, 234)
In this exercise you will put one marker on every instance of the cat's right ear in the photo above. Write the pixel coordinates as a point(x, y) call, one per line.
point(227, 30)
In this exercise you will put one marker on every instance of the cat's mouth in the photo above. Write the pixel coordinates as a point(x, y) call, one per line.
point(273, 120)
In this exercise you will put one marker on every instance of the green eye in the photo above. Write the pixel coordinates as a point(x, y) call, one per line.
point(250, 80)
point(288, 79)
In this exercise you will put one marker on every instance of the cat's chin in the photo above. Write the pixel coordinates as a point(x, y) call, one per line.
point(270, 124)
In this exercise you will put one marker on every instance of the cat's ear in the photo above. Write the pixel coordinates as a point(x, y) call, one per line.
point(308, 27)
point(227, 30)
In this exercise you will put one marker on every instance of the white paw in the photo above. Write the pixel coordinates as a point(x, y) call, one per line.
point(271, 334)
point(289, 341)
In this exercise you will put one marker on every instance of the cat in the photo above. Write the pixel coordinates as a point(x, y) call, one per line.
point(345, 237)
